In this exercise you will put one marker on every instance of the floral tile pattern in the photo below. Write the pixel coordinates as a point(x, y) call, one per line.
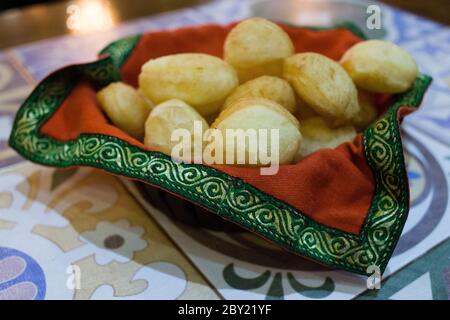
point(118, 240)
point(13, 89)
point(419, 280)
point(79, 234)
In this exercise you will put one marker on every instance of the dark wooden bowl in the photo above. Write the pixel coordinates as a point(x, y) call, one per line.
point(184, 211)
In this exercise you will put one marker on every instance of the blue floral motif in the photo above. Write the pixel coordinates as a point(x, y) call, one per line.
point(22, 277)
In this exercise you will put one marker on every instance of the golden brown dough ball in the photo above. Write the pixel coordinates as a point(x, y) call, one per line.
point(125, 107)
point(256, 47)
point(203, 81)
point(317, 134)
point(258, 113)
point(367, 113)
point(267, 87)
point(167, 117)
point(323, 85)
point(303, 111)
point(380, 66)
point(147, 100)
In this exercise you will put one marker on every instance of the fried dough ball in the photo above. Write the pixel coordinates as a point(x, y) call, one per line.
point(125, 107)
point(367, 113)
point(203, 81)
point(270, 115)
point(257, 47)
point(303, 111)
point(147, 100)
point(318, 135)
point(167, 117)
point(380, 66)
point(267, 87)
point(323, 85)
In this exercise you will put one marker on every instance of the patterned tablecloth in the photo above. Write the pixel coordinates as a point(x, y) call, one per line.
point(83, 234)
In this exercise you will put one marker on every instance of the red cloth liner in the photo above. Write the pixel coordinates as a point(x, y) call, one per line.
point(332, 186)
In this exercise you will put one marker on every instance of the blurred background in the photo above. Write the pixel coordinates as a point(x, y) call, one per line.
point(23, 21)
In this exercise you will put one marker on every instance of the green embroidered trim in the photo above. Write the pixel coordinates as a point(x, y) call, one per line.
point(119, 50)
point(227, 196)
point(384, 153)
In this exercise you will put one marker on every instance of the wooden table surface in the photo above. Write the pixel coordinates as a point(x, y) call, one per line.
point(437, 10)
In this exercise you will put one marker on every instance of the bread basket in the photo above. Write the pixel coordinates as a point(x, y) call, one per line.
point(343, 207)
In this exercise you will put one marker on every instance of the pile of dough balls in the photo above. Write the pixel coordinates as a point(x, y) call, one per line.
point(261, 82)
